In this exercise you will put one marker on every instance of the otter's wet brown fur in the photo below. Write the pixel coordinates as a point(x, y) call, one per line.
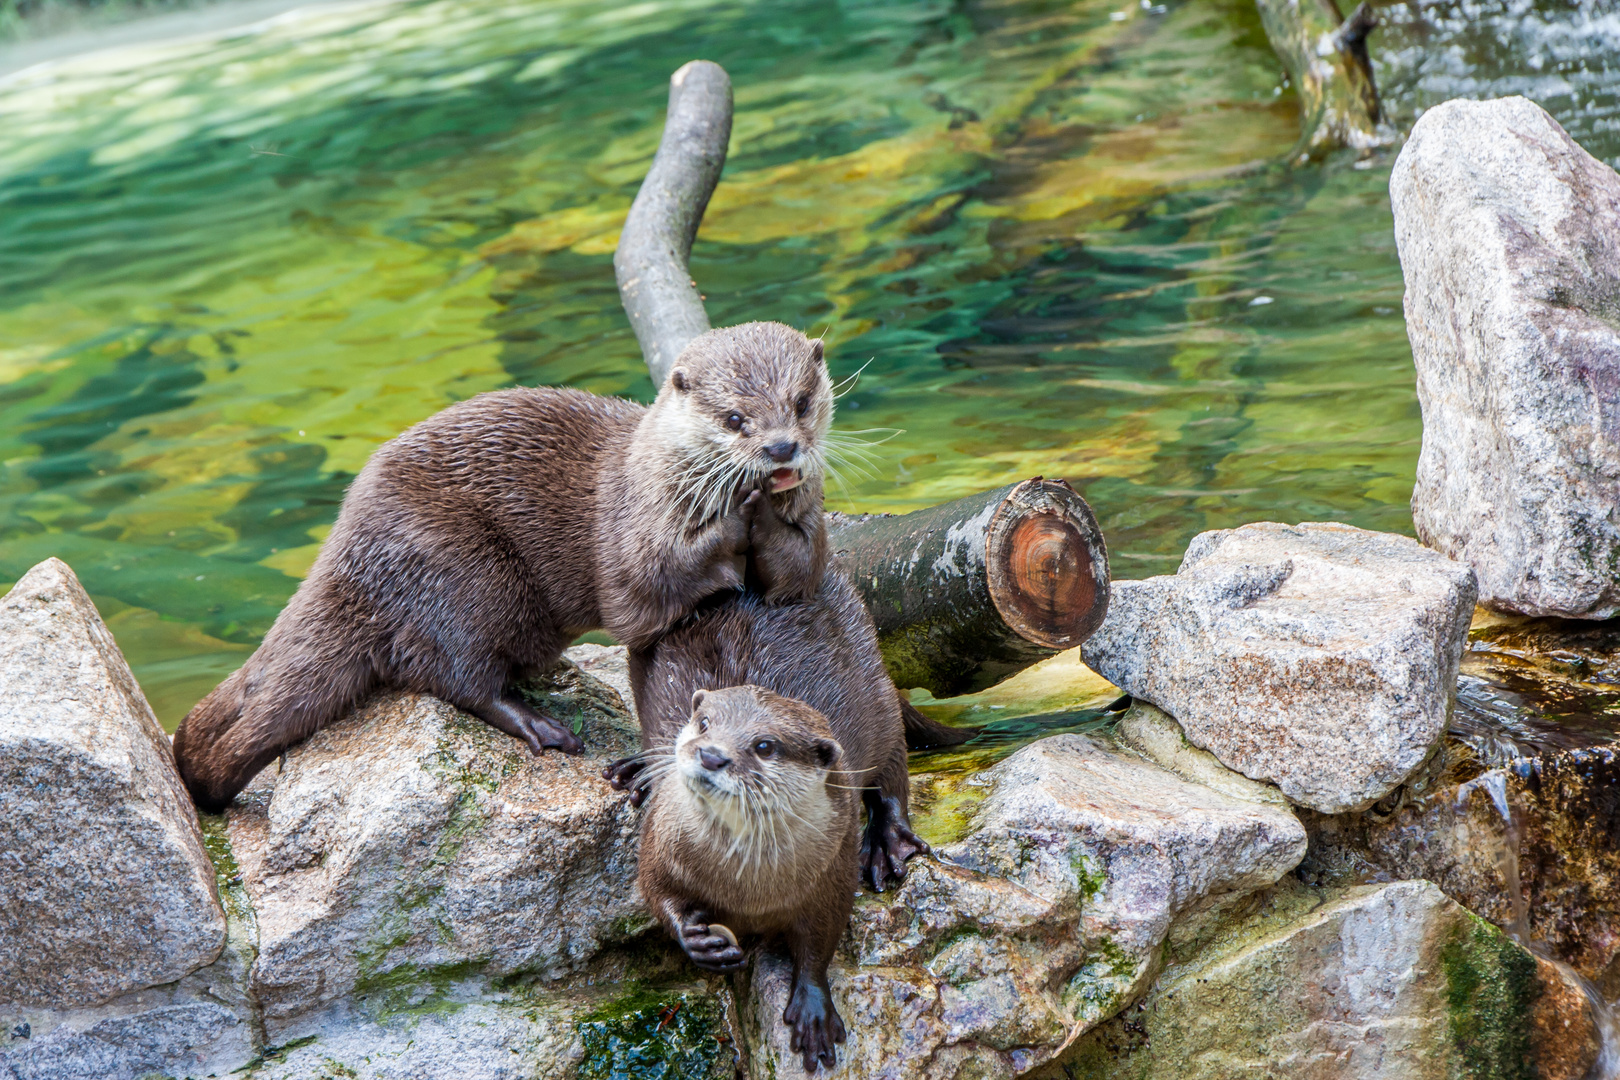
point(476, 545)
point(823, 653)
point(753, 825)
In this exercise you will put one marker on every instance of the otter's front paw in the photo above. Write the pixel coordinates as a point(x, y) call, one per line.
point(885, 846)
point(711, 947)
point(622, 774)
point(817, 1027)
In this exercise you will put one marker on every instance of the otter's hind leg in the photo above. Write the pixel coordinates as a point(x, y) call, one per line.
point(817, 1029)
point(302, 678)
point(888, 840)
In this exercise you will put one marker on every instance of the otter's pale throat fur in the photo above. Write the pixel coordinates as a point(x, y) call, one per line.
point(751, 825)
point(476, 545)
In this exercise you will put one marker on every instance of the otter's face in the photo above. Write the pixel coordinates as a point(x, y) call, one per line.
point(746, 752)
point(759, 395)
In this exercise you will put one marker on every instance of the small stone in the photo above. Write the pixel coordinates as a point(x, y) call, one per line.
point(1317, 657)
point(104, 884)
point(1509, 239)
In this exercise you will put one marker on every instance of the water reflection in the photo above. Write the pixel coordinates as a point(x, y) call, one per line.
point(1062, 241)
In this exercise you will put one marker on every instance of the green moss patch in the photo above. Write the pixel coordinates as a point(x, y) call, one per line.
point(657, 1035)
point(1491, 986)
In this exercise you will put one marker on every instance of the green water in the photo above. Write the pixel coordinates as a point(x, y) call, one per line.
point(1058, 234)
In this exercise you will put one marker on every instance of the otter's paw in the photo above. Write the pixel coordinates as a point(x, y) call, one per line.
point(622, 774)
point(751, 507)
point(712, 948)
point(554, 735)
point(817, 1027)
point(885, 846)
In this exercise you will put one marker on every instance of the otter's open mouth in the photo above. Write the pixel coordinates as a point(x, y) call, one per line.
point(783, 479)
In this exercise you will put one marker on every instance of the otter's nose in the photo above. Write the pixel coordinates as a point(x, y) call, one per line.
point(712, 759)
point(782, 451)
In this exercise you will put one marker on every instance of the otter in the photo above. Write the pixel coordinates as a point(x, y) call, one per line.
point(823, 654)
point(481, 541)
point(751, 829)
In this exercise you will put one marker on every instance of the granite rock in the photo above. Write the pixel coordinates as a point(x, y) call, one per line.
point(409, 844)
point(104, 884)
point(1318, 657)
point(1509, 239)
point(1372, 982)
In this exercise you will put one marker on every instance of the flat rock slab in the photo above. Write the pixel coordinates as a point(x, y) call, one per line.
point(1045, 919)
point(1509, 238)
point(477, 1032)
point(104, 884)
point(412, 844)
point(1318, 657)
point(1375, 982)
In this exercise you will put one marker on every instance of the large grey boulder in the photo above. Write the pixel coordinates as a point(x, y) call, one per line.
point(411, 845)
point(104, 884)
point(1045, 918)
point(1318, 657)
point(1374, 982)
point(1509, 238)
point(201, 1025)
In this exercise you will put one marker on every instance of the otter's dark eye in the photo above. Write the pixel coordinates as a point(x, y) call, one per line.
point(802, 406)
point(765, 748)
point(734, 422)
point(703, 724)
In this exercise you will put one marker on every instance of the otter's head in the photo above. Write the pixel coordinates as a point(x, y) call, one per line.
point(754, 399)
point(758, 764)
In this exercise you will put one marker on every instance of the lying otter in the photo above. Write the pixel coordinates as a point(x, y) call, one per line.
point(476, 545)
point(823, 655)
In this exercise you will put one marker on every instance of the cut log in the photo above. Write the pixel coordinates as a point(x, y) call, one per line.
point(973, 590)
point(655, 285)
point(1326, 57)
point(963, 593)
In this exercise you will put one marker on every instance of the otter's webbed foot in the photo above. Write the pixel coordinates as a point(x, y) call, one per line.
point(888, 841)
point(711, 947)
point(518, 720)
point(624, 774)
point(817, 1027)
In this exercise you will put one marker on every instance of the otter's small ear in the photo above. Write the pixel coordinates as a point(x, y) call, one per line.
point(815, 351)
point(677, 379)
point(697, 699)
point(828, 752)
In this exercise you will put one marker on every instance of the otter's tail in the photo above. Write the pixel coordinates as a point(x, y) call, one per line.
point(925, 734)
point(284, 694)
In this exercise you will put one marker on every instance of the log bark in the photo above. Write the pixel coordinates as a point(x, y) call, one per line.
point(655, 285)
point(963, 593)
point(1326, 57)
point(970, 591)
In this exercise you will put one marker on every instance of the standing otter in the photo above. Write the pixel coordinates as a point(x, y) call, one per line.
point(742, 407)
point(477, 544)
point(822, 653)
point(751, 829)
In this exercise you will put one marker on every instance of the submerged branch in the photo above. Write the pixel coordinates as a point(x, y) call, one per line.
point(655, 284)
point(1326, 57)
